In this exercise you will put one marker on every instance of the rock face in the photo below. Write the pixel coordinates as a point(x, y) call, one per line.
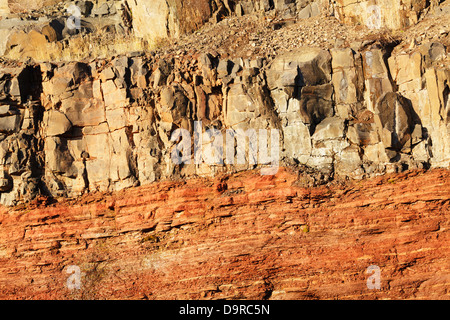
point(162, 19)
point(236, 237)
point(188, 163)
point(377, 14)
point(107, 125)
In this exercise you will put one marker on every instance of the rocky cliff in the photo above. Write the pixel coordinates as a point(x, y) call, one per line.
point(357, 93)
point(78, 127)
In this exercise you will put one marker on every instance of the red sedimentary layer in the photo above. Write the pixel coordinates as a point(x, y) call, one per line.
point(244, 236)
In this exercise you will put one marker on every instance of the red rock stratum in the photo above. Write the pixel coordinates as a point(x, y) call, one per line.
point(243, 236)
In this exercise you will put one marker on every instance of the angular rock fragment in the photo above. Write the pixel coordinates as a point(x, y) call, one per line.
point(57, 123)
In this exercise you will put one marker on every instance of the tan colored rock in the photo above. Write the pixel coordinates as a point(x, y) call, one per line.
point(297, 142)
point(432, 52)
point(363, 134)
point(50, 33)
point(328, 129)
point(98, 164)
point(4, 8)
point(30, 5)
point(378, 14)
point(316, 104)
point(10, 124)
point(162, 19)
point(57, 156)
point(348, 162)
point(342, 58)
point(23, 44)
point(116, 118)
point(406, 68)
point(347, 76)
point(312, 65)
point(393, 115)
point(56, 122)
point(4, 38)
point(81, 109)
point(376, 153)
point(426, 87)
point(421, 152)
point(114, 97)
point(345, 86)
point(240, 107)
point(376, 77)
point(120, 148)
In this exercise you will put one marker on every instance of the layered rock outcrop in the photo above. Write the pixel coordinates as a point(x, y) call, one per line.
point(235, 237)
point(88, 112)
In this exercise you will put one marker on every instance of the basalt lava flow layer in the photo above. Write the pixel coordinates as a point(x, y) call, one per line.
point(242, 236)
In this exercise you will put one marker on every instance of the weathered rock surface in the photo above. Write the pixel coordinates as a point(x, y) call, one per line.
point(236, 237)
point(378, 14)
point(89, 113)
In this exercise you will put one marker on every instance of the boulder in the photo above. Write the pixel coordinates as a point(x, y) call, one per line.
point(348, 162)
point(6, 183)
point(311, 10)
point(347, 76)
point(363, 134)
point(10, 124)
point(297, 142)
point(406, 70)
point(161, 19)
point(50, 33)
point(376, 77)
point(432, 52)
point(316, 104)
point(329, 128)
point(22, 44)
point(82, 109)
point(58, 158)
point(174, 105)
point(378, 14)
point(304, 67)
point(394, 116)
point(57, 123)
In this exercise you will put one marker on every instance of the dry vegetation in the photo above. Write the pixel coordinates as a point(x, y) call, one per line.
point(25, 6)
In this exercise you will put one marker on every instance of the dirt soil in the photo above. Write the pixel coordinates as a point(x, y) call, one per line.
point(266, 35)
